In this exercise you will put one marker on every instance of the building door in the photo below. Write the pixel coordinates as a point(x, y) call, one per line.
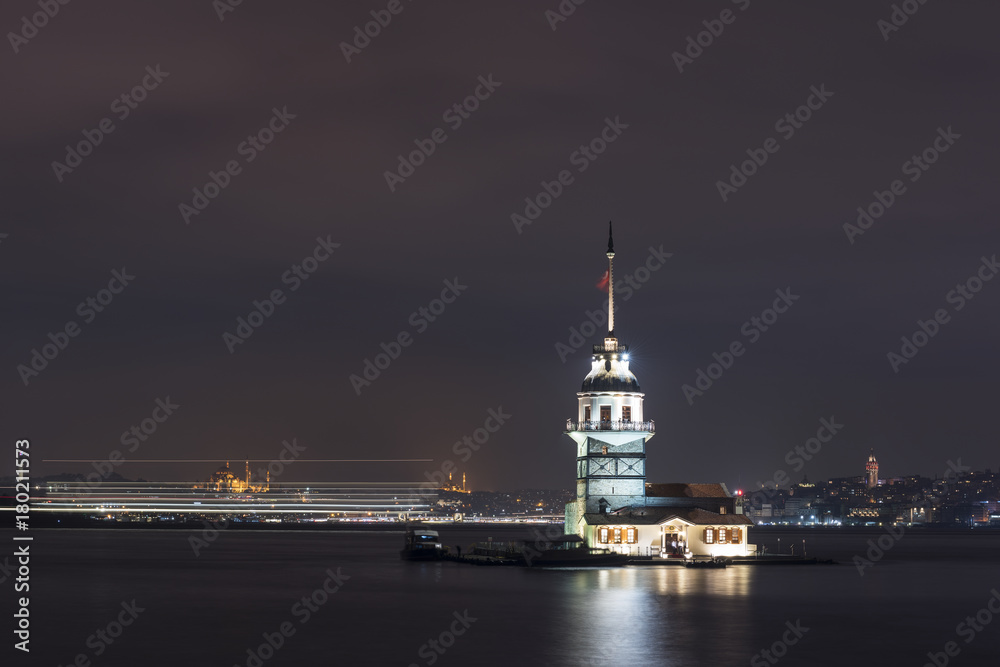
point(605, 413)
point(626, 413)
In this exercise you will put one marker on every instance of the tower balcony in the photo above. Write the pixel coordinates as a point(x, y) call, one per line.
point(610, 346)
point(643, 427)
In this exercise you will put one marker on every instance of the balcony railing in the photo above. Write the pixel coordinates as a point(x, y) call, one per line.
point(610, 426)
point(620, 348)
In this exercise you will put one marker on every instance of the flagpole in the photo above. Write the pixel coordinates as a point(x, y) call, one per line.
point(611, 282)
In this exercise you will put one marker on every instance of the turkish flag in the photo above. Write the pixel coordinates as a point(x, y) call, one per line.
point(602, 284)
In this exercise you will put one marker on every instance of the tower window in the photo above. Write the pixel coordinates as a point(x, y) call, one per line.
point(626, 413)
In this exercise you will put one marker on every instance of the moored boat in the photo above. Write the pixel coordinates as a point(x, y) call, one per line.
point(421, 544)
point(714, 563)
point(569, 551)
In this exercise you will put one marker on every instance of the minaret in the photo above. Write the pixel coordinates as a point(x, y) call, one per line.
point(871, 470)
point(609, 431)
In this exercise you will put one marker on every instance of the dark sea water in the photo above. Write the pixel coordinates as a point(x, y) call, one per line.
point(210, 609)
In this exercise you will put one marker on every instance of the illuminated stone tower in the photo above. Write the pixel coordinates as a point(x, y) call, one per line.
point(871, 470)
point(609, 430)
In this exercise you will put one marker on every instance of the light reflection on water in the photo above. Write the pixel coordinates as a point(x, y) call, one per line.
point(221, 602)
point(615, 616)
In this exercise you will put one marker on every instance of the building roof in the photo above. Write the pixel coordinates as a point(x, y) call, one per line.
point(687, 491)
point(649, 516)
point(615, 379)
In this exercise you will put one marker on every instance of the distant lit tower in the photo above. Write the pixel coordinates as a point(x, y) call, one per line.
point(871, 468)
point(609, 430)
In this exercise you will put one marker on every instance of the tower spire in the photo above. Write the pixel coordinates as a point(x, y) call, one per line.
point(611, 282)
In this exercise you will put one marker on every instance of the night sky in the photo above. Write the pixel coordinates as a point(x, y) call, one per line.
point(607, 67)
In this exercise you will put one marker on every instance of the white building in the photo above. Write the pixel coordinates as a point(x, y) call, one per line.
point(615, 508)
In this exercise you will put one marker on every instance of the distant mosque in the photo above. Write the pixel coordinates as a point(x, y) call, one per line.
point(224, 480)
point(615, 508)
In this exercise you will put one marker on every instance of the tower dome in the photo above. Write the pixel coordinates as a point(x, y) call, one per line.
point(609, 372)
